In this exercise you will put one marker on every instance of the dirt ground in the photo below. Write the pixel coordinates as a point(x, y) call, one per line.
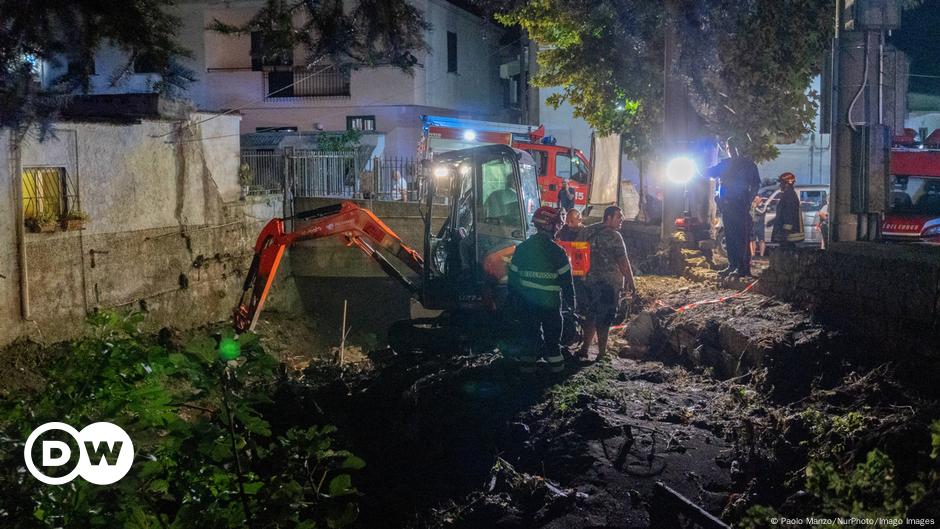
point(726, 403)
point(468, 442)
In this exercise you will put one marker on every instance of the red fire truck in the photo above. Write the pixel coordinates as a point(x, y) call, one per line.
point(555, 162)
point(914, 191)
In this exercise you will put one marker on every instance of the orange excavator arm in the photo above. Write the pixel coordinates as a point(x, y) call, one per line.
point(357, 226)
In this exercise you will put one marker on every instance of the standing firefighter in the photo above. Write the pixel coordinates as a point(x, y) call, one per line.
point(739, 182)
point(539, 280)
point(788, 224)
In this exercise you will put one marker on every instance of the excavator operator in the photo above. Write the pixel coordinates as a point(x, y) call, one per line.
point(539, 280)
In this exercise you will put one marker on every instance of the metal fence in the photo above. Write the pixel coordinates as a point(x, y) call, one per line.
point(297, 84)
point(48, 192)
point(262, 172)
point(341, 174)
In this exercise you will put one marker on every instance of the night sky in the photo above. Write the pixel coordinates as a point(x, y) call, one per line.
point(919, 37)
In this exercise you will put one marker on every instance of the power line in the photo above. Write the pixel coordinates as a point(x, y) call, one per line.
point(373, 103)
point(236, 109)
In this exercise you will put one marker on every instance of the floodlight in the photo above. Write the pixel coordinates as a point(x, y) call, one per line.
point(680, 170)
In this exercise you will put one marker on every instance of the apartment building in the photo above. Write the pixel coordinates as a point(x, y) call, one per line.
point(473, 69)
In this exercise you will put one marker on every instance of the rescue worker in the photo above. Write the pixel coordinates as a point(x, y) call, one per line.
point(572, 226)
point(739, 182)
point(565, 196)
point(609, 276)
point(539, 281)
point(788, 224)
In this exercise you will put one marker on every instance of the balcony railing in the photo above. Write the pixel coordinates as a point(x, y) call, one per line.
point(299, 84)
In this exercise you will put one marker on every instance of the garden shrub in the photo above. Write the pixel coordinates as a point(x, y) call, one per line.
point(171, 402)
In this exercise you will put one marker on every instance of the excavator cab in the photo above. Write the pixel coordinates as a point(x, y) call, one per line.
point(489, 193)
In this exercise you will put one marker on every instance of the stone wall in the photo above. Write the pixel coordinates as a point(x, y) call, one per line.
point(887, 296)
point(642, 241)
point(166, 232)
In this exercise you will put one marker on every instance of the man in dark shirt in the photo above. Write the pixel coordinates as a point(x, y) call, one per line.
point(739, 182)
point(572, 226)
point(565, 196)
point(610, 274)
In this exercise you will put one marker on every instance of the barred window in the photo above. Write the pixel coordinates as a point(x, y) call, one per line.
point(47, 192)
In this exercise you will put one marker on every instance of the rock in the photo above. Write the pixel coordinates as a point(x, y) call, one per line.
point(639, 331)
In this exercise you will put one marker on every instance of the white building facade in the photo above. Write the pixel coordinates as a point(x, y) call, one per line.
point(459, 76)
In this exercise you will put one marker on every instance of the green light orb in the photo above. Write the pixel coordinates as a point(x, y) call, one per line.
point(229, 349)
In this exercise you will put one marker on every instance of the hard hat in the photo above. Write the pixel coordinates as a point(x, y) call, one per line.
point(546, 218)
point(787, 178)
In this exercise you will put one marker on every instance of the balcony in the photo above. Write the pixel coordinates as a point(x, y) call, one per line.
point(282, 85)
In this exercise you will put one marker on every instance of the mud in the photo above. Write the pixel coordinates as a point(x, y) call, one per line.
point(718, 402)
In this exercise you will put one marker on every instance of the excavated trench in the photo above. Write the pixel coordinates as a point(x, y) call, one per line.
point(721, 402)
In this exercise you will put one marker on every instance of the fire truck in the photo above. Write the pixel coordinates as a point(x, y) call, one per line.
point(914, 190)
point(555, 163)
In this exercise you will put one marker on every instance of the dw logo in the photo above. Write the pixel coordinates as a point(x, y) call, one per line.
point(105, 453)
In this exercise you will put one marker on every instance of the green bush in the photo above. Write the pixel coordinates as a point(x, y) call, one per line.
point(171, 402)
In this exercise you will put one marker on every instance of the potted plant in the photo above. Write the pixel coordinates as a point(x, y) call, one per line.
point(73, 220)
point(41, 222)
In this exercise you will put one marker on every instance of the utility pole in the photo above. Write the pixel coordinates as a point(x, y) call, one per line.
point(868, 79)
point(681, 126)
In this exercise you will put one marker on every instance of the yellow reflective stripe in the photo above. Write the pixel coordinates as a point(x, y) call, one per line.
point(549, 288)
point(513, 267)
point(538, 275)
point(564, 269)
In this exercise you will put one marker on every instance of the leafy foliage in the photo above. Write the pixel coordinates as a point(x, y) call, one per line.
point(868, 489)
point(57, 32)
point(171, 403)
point(746, 65)
point(371, 33)
point(338, 141)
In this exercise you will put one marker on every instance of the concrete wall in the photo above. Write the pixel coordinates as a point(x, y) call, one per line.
point(166, 231)
point(332, 258)
point(887, 295)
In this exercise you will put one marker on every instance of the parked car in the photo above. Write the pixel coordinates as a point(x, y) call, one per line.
point(812, 199)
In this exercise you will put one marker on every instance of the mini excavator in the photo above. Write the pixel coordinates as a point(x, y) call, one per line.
point(490, 194)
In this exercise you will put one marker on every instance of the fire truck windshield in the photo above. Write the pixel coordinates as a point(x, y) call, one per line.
point(914, 195)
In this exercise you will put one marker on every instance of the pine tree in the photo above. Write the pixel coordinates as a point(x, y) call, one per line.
point(54, 31)
point(370, 33)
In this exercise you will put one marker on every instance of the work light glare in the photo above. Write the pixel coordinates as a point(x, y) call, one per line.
point(469, 135)
point(680, 170)
point(441, 171)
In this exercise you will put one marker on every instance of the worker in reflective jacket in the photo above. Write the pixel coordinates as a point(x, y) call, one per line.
point(539, 281)
point(788, 224)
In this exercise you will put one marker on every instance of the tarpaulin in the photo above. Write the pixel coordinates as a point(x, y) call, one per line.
point(606, 166)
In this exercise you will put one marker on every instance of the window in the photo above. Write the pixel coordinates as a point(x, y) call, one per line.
point(451, 52)
point(46, 193)
point(280, 84)
point(914, 195)
point(150, 63)
point(569, 167)
point(812, 200)
point(541, 160)
point(270, 51)
point(500, 195)
point(364, 123)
